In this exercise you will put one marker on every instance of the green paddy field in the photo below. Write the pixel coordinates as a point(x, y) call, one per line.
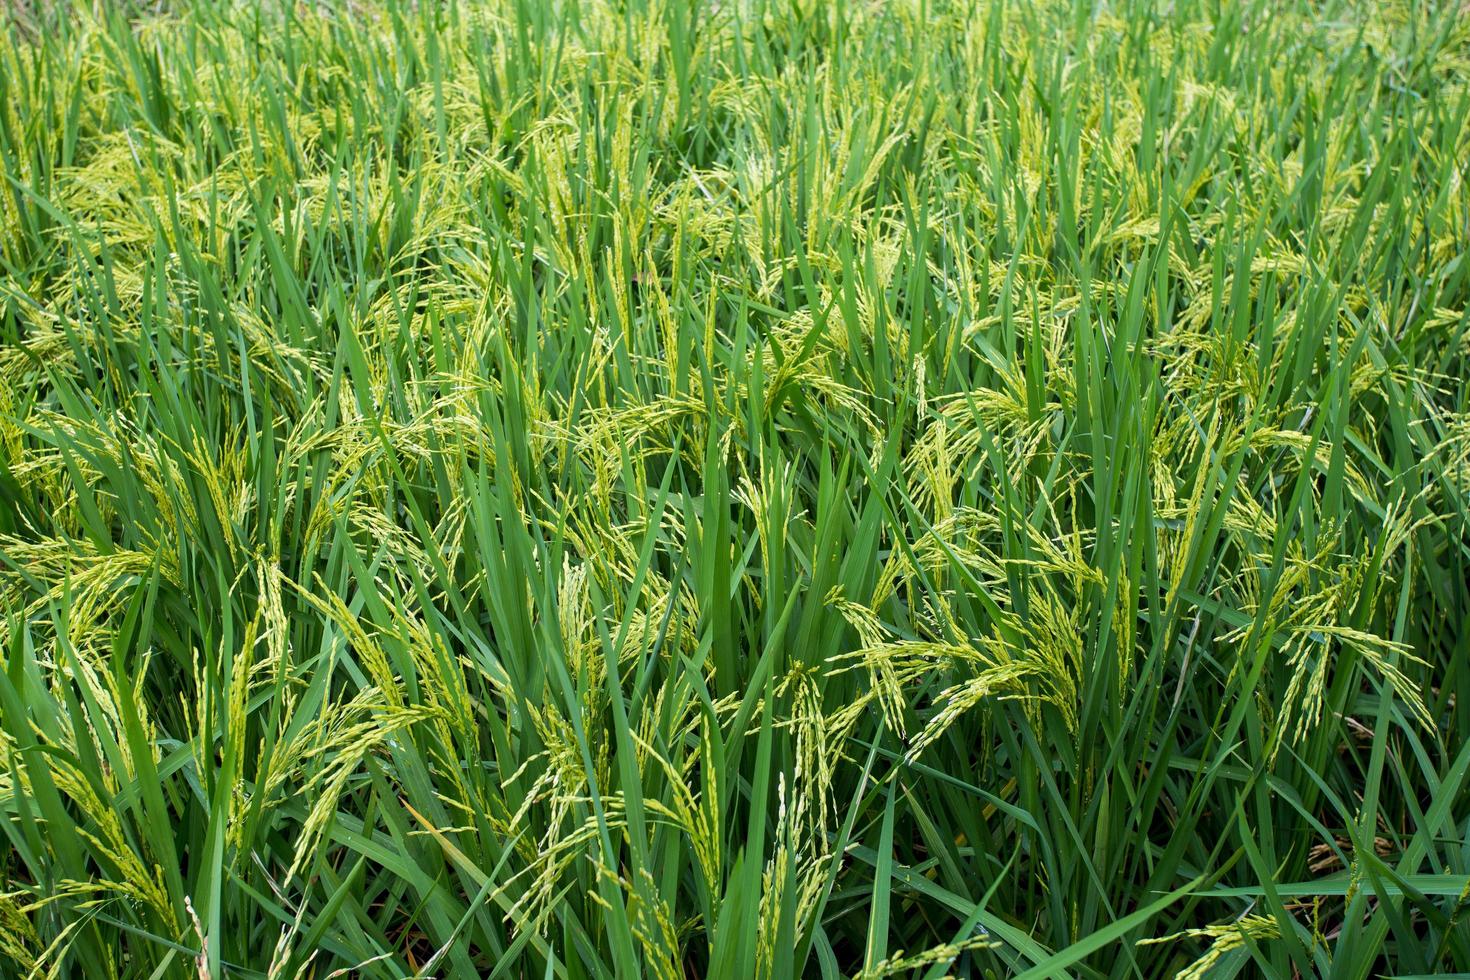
point(734, 489)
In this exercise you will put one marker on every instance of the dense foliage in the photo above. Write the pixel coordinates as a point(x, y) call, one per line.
point(734, 488)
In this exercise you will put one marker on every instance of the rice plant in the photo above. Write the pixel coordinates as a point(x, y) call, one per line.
point(734, 488)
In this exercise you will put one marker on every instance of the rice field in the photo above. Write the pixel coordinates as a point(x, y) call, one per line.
point(734, 489)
